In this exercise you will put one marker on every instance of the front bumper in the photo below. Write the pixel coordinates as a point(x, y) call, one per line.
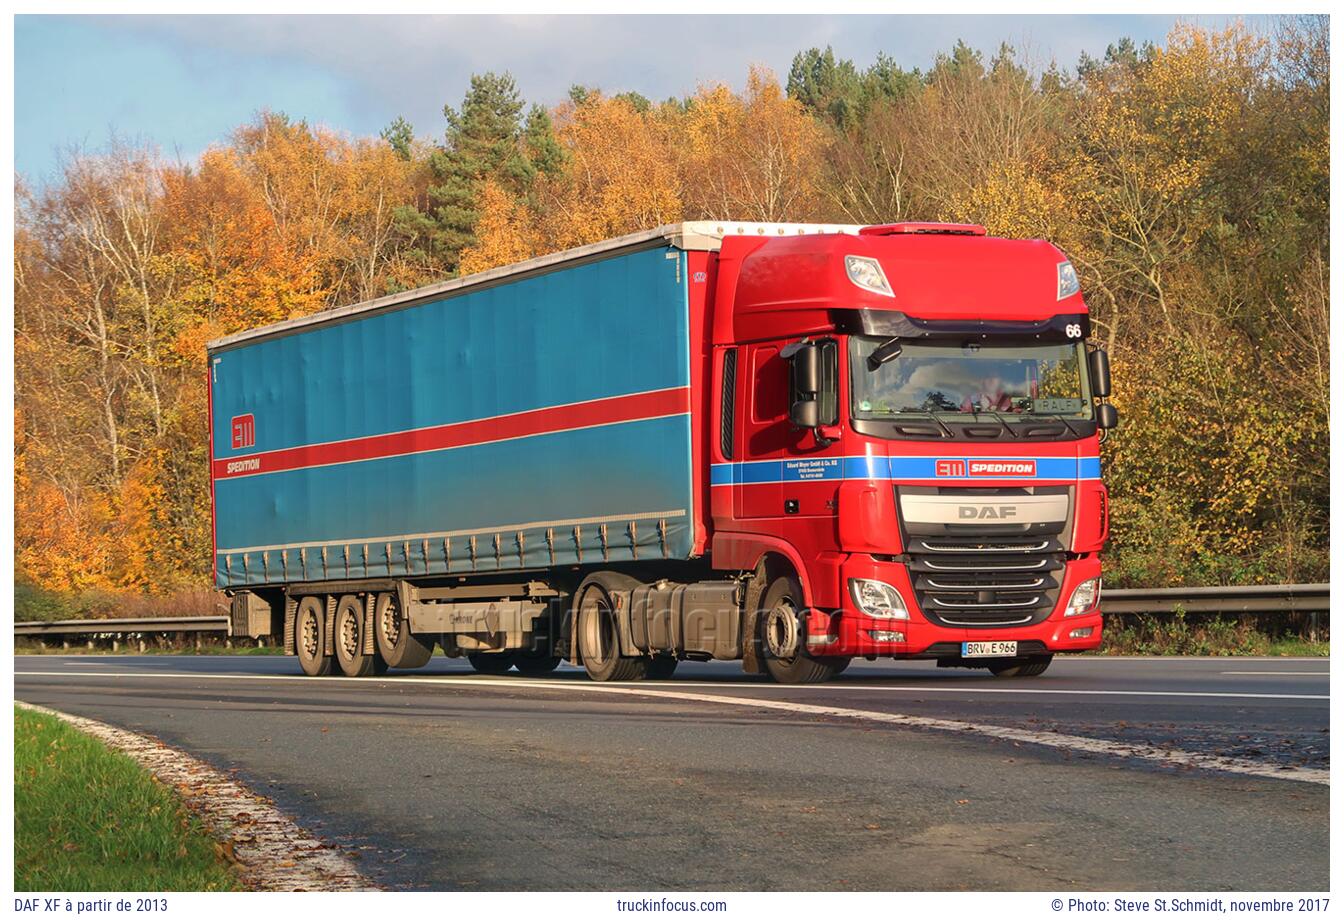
point(850, 633)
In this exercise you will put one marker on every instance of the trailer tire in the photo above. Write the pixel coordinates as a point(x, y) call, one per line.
point(392, 635)
point(348, 638)
point(491, 662)
point(784, 599)
point(310, 639)
point(1031, 666)
point(598, 632)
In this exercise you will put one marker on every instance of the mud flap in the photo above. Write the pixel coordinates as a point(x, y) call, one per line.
point(291, 612)
point(751, 659)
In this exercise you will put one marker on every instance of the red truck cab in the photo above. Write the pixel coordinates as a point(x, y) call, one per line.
point(906, 420)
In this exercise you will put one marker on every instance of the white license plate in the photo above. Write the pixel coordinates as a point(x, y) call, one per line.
point(988, 649)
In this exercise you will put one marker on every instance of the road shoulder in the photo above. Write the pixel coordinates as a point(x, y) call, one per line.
point(269, 851)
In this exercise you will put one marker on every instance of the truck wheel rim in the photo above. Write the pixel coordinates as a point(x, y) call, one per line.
point(390, 624)
point(781, 630)
point(308, 635)
point(349, 633)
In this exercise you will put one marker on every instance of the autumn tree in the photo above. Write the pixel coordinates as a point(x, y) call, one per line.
point(620, 173)
point(1188, 180)
point(504, 232)
point(757, 156)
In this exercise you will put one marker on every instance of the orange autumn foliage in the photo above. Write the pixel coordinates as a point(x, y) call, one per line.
point(1188, 182)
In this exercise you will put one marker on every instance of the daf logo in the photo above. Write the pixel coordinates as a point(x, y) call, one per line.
point(983, 512)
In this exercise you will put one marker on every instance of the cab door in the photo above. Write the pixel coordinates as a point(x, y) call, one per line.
point(767, 434)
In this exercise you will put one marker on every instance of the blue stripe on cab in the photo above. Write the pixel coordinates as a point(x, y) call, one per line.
point(898, 468)
point(758, 471)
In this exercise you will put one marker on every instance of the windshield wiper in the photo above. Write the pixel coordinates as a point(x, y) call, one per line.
point(936, 420)
point(1001, 420)
point(926, 414)
point(1063, 418)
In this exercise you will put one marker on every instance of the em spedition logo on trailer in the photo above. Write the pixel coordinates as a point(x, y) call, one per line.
point(242, 435)
point(243, 430)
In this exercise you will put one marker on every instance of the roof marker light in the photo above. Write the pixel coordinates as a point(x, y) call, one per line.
point(867, 273)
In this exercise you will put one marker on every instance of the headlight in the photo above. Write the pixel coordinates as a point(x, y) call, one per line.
point(1068, 280)
point(867, 273)
point(1085, 597)
point(877, 599)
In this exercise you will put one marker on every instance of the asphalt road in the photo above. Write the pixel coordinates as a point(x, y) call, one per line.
point(442, 779)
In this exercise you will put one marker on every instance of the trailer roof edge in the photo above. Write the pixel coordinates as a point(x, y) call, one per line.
point(700, 235)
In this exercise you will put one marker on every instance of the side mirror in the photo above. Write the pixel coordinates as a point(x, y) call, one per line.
point(805, 413)
point(805, 364)
point(807, 370)
point(1107, 417)
point(1099, 367)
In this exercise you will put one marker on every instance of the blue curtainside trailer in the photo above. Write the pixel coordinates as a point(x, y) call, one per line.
point(521, 420)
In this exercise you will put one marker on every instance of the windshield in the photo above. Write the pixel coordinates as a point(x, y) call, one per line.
point(1027, 380)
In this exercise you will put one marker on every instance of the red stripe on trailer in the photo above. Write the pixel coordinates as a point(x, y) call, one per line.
point(550, 420)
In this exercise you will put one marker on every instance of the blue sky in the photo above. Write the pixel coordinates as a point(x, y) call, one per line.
point(184, 82)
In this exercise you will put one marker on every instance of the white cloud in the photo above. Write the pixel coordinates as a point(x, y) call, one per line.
point(412, 65)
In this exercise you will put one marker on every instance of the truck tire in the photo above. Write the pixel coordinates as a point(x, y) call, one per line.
point(392, 635)
point(661, 667)
point(597, 630)
point(1031, 666)
point(310, 637)
point(348, 639)
point(783, 600)
point(491, 662)
point(535, 664)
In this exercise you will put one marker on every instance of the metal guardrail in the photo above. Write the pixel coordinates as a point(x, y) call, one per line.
point(136, 625)
point(1236, 599)
point(1313, 599)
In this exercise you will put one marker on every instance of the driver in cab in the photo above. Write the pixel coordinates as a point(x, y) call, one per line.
point(990, 398)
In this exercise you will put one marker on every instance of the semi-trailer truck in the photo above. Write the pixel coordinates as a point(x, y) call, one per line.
point(785, 444)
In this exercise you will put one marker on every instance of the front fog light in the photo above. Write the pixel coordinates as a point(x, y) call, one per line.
point(1085, 597)
point(886, 635)
point(877, 599)
point(1084, 633)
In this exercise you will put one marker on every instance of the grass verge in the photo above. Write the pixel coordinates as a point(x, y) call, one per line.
point(1177, 634)
point(87, 818)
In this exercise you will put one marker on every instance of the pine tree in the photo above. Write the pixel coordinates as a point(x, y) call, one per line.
point(485, 140)
point(399, 135)
point(543, 149)
point(828, 87)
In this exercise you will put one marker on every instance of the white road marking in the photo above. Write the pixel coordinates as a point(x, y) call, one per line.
point(466, 677)
point(927, 688)
point(1075, 743)
point(1281, 673)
